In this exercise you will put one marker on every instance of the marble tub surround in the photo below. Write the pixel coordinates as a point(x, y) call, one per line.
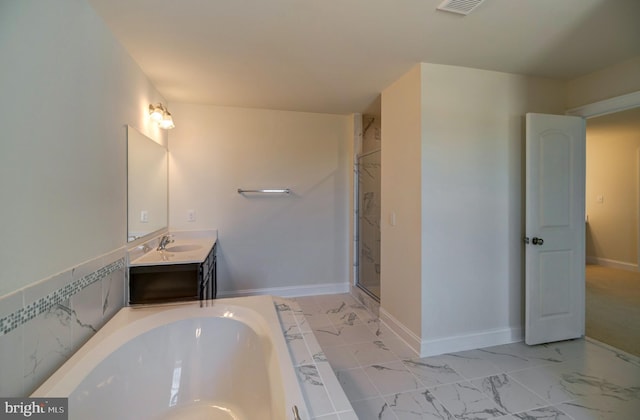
point(325, 397)
point(384, 379)
point(44, 323)
point(201, 241)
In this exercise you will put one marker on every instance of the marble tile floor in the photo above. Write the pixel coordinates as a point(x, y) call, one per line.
point(384, 379)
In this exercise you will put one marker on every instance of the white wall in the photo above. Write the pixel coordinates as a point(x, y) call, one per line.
point(472, 197)
point(467, 189)
point(274, 241)
point(68, 92)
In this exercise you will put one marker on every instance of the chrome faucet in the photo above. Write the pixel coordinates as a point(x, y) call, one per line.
point(164, 241)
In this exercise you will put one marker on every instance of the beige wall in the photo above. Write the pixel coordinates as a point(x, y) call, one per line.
point(400, 270)
point(68, 91)
point(265, 241)
point(610, 82)
point(613, 147)
point(460, 244)
point(462, 248)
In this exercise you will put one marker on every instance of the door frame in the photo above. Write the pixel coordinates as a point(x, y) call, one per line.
point(605, 107)
point(358, 239)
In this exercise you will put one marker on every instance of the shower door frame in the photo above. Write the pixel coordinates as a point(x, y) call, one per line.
point(357, 225)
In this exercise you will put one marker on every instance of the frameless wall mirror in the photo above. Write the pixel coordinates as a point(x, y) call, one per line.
point(147, 179)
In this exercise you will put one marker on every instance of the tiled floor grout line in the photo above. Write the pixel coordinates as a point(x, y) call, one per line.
point(510, 358)
point(362, 367)
point(548, 404)
point(538, 395)
point(399, 359)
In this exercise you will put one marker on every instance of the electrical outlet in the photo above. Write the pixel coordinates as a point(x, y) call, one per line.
point(144, 216)
point(191, 215)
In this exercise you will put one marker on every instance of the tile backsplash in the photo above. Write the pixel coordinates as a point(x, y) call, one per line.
point(42, 325)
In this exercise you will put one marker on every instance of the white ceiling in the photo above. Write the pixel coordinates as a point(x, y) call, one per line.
point(336, 56)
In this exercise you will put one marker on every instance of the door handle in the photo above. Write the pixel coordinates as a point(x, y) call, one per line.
point(537, 241)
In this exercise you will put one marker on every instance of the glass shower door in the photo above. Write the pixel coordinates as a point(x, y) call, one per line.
point(368, 269)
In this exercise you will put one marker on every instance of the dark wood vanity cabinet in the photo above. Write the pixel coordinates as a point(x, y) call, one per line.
point(174, 282)
point(207, 274)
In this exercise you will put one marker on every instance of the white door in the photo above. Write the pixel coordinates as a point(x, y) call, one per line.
point(555, 228)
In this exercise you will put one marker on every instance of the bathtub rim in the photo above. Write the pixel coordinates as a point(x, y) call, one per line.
point(257, 312)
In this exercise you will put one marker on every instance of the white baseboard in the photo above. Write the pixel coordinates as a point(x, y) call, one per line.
point(289, 291)
point(471, 341)
point(605, 262)
point(399, 329)
point(435, 347)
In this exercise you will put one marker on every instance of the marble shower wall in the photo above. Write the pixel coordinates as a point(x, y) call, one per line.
point(42, 325)
point(372, 133)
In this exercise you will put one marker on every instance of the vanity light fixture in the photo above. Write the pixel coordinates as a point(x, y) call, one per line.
point(161, 115)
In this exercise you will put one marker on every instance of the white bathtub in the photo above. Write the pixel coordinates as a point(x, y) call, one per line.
point(222, 359)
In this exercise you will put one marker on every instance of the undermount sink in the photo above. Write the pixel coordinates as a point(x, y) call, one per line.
point(183, 248)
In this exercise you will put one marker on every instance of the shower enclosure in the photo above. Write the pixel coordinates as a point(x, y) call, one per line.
point(368, 214)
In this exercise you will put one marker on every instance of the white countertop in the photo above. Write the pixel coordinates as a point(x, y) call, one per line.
point(187, 248)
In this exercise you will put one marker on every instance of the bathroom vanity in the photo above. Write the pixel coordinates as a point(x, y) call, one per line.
point(181, 268)
point(186, 269)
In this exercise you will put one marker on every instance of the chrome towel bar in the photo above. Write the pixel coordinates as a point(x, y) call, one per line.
point(266, 191)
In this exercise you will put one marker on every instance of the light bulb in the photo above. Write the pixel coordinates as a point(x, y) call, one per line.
point(155, 113)
point(166, 122)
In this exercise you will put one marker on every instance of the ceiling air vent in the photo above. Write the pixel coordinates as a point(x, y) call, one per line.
point(462, 7)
